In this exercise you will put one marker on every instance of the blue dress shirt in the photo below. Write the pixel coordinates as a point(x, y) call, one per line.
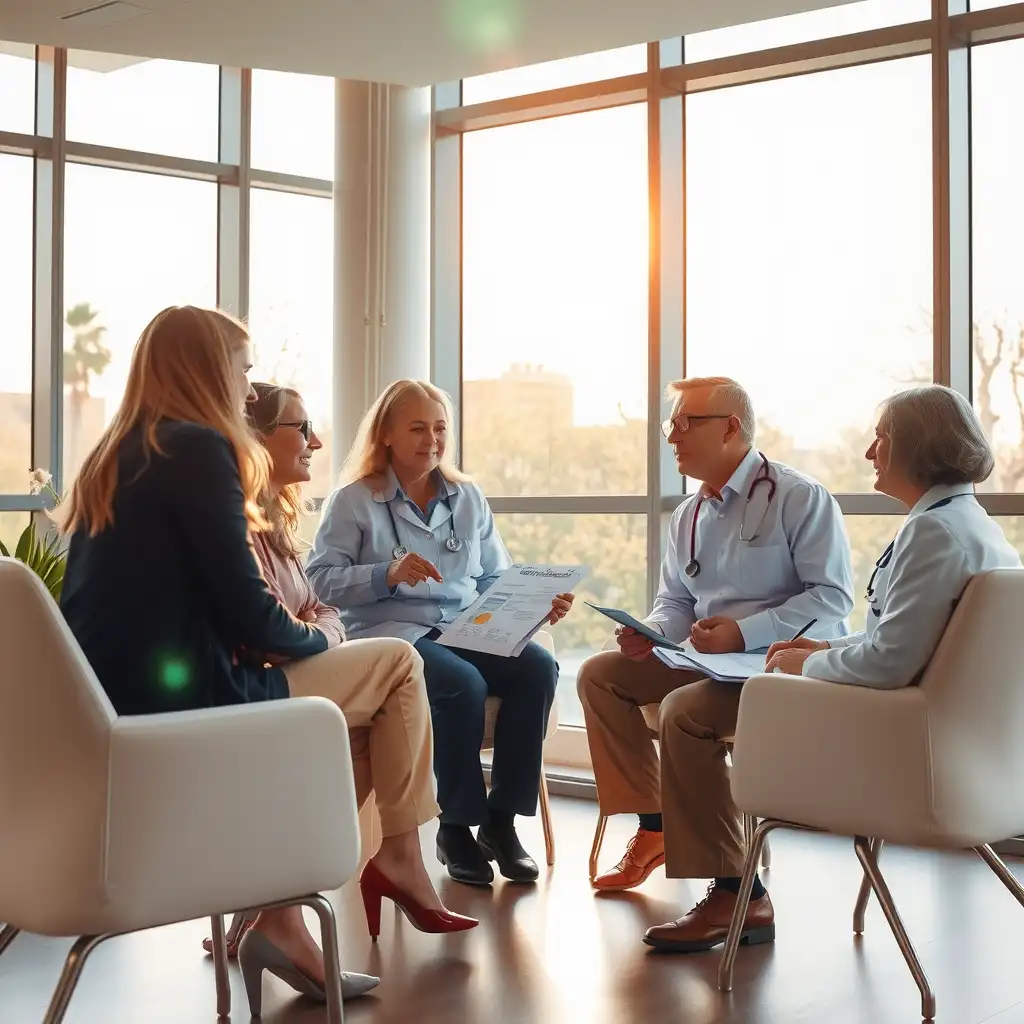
point(796, 569)
point(355, 545)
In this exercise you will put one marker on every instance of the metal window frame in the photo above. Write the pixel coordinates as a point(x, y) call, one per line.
point(51, 152)
point(948, 36)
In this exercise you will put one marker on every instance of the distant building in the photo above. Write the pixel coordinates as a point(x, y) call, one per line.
point(524, 391)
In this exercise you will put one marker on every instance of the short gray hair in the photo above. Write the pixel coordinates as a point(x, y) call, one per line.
point(936, 437)
point(725, 394)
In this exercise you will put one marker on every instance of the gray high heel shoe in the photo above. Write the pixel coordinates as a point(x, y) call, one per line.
point(257, 954)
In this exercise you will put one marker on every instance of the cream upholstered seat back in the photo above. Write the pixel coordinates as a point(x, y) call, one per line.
point(974, 693)
point(939, 763)
point(55, 729)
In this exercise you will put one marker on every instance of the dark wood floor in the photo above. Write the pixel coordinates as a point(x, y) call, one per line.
point(555, 953)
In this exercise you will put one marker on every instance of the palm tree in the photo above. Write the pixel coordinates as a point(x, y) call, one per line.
point(86, 358)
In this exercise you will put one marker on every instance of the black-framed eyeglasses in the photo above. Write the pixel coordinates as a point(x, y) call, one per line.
point(682, 422)
point(304, 427)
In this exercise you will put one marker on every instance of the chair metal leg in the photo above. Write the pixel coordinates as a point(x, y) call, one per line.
point(7, 935)
point(545, 820)
point(1002, 872)
point(869, 862)
point(332, 964)
point(749, 824)
point(865, 892)
point(220, 966)
point(69, 977)
point(732, 941)
point(595, 850)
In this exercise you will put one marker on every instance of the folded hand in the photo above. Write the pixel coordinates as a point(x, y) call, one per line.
point(717, 635)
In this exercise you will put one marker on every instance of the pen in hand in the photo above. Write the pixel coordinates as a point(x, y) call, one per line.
point(804, 630)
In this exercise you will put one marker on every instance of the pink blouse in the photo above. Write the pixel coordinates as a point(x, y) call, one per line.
point(288, 581)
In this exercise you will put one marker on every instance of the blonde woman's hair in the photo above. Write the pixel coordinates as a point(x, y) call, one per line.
point(284, 509)
point(368, 458)
point(180, 370)
point(936, 437)
point(726, 396)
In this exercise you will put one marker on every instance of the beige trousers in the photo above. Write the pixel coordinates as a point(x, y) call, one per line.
point(378, 684)
point(690, 787)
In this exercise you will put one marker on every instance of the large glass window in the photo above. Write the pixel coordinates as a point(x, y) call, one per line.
point(17, 88)
point(840, 20)
point(293, 123)
point(16, 335)
point(555, 258)
point(291, 307)
point(997, 203)
point(158, 106)
point(809, 253)
point(554, 74)
point(133, 244)
point(614, 547)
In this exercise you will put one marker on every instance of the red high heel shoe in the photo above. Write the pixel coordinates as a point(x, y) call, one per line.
point(375, 885)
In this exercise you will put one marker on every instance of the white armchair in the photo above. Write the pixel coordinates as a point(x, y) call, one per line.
point(114, 825)
point(940, 764)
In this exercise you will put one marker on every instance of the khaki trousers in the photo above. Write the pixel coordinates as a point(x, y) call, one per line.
point(378, 684)
point(690, 787)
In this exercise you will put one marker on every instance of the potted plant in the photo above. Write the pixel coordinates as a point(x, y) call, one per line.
point(42, 554)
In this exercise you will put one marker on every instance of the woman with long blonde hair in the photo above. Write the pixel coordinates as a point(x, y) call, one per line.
point(162, 589)
point(405, 545)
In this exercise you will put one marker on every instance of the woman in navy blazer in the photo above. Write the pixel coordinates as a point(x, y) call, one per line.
point(163, 589)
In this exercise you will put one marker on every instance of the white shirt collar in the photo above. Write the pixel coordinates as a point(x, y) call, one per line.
point(739, 482)
point(938, 493)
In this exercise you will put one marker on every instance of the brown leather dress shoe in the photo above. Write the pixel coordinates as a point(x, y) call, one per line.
point(645, 852)
point(708, 924)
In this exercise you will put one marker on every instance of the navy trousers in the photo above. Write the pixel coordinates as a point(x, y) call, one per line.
point(458, 683)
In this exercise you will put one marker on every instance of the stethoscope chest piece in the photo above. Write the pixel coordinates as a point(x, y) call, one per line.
point(399, 551)
point(692, 568)
point(453, 544)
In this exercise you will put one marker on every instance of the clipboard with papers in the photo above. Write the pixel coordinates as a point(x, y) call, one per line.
point(625, 619)
point(726, 668)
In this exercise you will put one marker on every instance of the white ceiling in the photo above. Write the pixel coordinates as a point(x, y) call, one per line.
point(410, 42)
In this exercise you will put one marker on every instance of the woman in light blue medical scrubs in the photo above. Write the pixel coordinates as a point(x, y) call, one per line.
point(406, 544)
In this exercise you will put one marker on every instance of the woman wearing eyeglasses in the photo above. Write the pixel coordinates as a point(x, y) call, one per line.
point(929, 453)
point(378, 684)
point(406, 544)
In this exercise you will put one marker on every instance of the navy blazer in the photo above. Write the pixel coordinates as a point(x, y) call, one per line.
point(163, 600)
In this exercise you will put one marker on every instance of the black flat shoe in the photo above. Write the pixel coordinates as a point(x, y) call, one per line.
point(503, 847)
point(458, 851)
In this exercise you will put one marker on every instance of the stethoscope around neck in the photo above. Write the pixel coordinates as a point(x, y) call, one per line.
point(453, 543)
point(764, 476)
point(886, 556)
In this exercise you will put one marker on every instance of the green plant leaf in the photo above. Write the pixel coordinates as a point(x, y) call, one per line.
point(55, 580)
point(3, 550)
point(25, 541)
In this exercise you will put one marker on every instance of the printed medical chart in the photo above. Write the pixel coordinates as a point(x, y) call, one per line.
point(727, 668)
point(504, 618)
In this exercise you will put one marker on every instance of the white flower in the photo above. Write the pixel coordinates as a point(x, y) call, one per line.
point(39, 479)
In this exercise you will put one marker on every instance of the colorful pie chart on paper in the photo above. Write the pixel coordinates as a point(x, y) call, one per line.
point(479, 620)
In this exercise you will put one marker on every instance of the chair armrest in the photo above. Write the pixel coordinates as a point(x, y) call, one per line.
point(848, 759)
point(229, 807)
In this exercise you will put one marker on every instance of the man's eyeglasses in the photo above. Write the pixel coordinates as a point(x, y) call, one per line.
point(304, 427)
point(682, 422)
